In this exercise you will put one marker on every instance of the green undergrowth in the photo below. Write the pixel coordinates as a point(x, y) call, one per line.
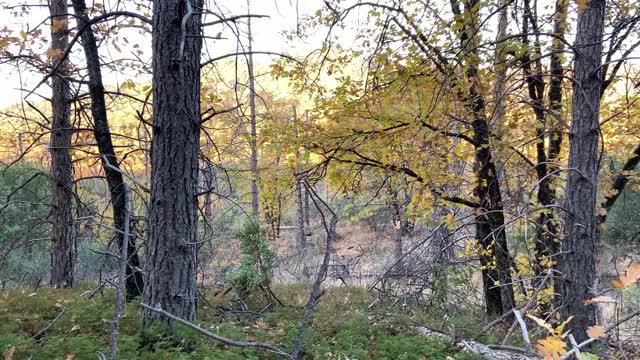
point(342, 328)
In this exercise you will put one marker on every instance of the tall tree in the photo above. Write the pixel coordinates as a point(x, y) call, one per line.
point(490, 223)
point(253, 139)
point(62, 247)
point(548, 131)
point(577, 262)
point(102, 135)
point(170, 258)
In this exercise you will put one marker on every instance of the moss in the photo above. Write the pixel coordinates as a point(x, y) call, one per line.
point(341, 327)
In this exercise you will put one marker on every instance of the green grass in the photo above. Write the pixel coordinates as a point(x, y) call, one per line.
point(341, 328)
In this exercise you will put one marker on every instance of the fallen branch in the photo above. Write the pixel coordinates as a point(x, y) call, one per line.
point(224, 340)
point(46, 328)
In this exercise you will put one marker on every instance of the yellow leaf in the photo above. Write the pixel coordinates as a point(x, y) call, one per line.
point(558, 330)
point(551, 348)
point(631, 275)
point(600, 299)
point(617, 284)
point(596, 331)
point(542, 323)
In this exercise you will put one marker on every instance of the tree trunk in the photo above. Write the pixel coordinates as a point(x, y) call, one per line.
point(110, 164)
point(62, 247)
point(170, 256)
point(547, 243)
point(490, 232)
point(253, 145)
point(302, 239)
point(577, 262)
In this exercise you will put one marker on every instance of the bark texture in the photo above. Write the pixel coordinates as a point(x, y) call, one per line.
point(548, 135)
point(578, 259)
point(490, 233)
point(170, 258)
point(62, 247)
point(110, 164)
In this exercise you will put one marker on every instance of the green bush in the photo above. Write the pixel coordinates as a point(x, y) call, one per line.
point(256, 262)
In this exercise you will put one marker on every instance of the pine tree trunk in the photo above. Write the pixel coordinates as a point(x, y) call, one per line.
point(170, 255)
point(577, 263)
point(110, 164)
point(62, 247)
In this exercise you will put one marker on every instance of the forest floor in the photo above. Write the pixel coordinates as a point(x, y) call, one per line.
point(344, 326)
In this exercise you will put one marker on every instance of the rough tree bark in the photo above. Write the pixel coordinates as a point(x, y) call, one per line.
point(110, 164)
point(170, 258)
point(548, 235)
point(62, 248)
point(548, 137)
point(578, 259)
point(490, 231)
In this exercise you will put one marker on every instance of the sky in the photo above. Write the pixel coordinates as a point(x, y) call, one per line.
point(267, 35)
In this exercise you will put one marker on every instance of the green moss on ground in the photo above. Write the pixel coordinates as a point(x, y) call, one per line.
point(341, 328)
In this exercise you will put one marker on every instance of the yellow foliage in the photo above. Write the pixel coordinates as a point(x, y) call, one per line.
point(551, 348)
point(632, 274)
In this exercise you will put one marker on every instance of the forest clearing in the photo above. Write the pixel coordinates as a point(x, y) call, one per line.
point(320, 179)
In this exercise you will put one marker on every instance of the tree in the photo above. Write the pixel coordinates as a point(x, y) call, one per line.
point(548, 137)
point(490, 223)
point(577, 262)
point(170, 255)
point(62, 247)
point(102, 135)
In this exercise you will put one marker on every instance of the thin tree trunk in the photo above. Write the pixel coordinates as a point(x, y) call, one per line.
point(255, 198)
point(301, 233)
point(490, 231)
point(578, 260)
point(171, 250)
point(121, 288)
point(547, 243)
point(110, 164)
point(307, 216)
point(62, 247)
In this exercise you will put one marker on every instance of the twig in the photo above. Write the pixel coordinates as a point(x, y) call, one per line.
point(122, 276)
point(315, 294)
point(510, 348)
point(528, 307)
point(574, 344)
point(252, 344)
point(608, 329)
point(46, 328)
point(115, 168)
point(523, 327)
